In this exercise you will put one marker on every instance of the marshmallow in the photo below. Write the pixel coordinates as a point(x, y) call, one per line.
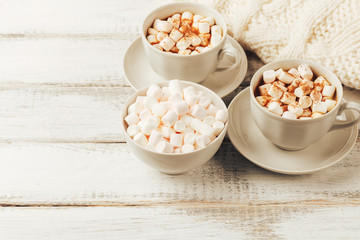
point(152, 31)
point(139, 104)
point(188, 130)
point(306, 112)
point(188, 91)
point(194, 53)
point(317, 115)
point(204, 27)
point(176, 35)
point(216, 30)
point(196, 124)
point(264, 89)
point(179, 126)
point(150, 147)
point(184, 52)
point(295, 108)
point(202, 140)
point(177, 150)
point(155, 137)
point(189, 138)
point(191, 100)
point(294, 84)
point(207, 129)
point(221, 115)
point(149, 102)
point(320, 107)
point(186, 148)
point(175, 87)
point(289, 115)
point(154, 91)
point(286, 77)
point(185, 29)
point(183, 43)
point(288, 98)
point(198, 112)
point(175, 20)
point(215, 39)
point(275, 107)
point(176, 140)
point(187, 15)
point(204, 101)
point(132, 130)
point(152, 39)
point(302, 91)
point(305, 71)
point(131, 108)
point(218, 126)
point(158, 46)
point(186, 119)
point(197, 18)
point(321, 81)
point(328, 91)
point(305, 118)
point(269, 76)
point(180, 107)
point(132, 119)
point(195, 40)
point(145, 114)
point(176, 97)
point(315, 96)
point(305, 101)
point(330, 104)
point(167, 131)
point(277, 72)
point(294, 72)
point(275, 91)
point(174, 49)
point(159, 109)
point(163, 26)
point(165, 93)
point(307, 82)
point(164, 147)
point(209, 20)
point(161, 35)
point(200, 49)
point(150, 124)
point(262, 100)
point(169, 118)
point(210, 120)
point(212, 110)
point(195, 27)
point(167, 43)
point(140, 139)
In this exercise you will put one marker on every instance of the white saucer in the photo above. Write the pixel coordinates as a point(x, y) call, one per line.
point(250, 142)
point(139, 73)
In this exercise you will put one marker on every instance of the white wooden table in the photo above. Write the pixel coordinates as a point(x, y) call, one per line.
point(66, 172)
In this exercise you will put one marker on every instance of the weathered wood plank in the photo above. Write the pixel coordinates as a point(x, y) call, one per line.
point(181, 222)
point(108, 174)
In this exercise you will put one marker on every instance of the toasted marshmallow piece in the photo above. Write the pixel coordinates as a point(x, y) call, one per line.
point(264, 89)
point(195, 40)
point(152, 39)
point(154, 91)
point(315, 96)
point(289, 115)
point(176, 35)
point(132, 119)
point(209, 20)
point(275, 91)
point(140, 139)
point(186, 148)
point(294, 72)
point(221, 115)
point(294, 84)
point(269, 76)
point(202, 140)
point(161, 35)
point(184, 52)
point(149, 125)
point(198, 112)
point(204, 27)
point(187, 15)
point(163, 26)
point(316, 115)
point(132, 130)
point(307, 82)
point(169, 118)
point(207, 129)
point(275, 107)
point(204, 101)
point(186, 119)
point(305, 102)
point(158, 46)
point(210, 120)
point(288, 98)
point(176, 140)
point(167, 131)
point(328, 91)
point(145, 114)
point(330, 104)
point(218, 126)
point(175, 22)
point(164, 147)
point(180, 107)
point(179, 126)
point(296, 109)
point(286, 77)
point(321, 81)
point(305, 71)
point(196, 124)
point(159, 109)
point(320, 107)
point(302, 91)
point(155, 137)
point(167, 43)
point(306, 112)
point(262, 100)
point(190, 138)
point(212, 110)
point(183, 43)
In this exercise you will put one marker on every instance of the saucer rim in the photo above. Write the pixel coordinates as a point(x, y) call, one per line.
point(348, 146)
point(240, 75)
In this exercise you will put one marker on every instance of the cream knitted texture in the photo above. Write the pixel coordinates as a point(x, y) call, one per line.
point(325, 31)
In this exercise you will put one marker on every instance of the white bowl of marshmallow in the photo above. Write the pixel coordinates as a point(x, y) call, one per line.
point(174, 126)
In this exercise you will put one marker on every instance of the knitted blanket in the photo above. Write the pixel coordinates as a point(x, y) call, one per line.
point(325, 31)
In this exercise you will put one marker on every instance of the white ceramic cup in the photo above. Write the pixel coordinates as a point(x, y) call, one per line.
point(296, 134)
point(174, 163)
point(194, 68)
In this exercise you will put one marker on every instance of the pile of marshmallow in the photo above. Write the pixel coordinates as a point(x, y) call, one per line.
point(174, 120)
point(293, 94)
point(184, 34)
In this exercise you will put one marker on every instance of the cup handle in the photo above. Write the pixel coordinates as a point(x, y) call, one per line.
point(340, 124)
point(231, 51)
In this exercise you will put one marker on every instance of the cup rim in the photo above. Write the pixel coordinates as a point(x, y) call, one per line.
point(259, 72)
point(166, 83)
point(145, 41)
